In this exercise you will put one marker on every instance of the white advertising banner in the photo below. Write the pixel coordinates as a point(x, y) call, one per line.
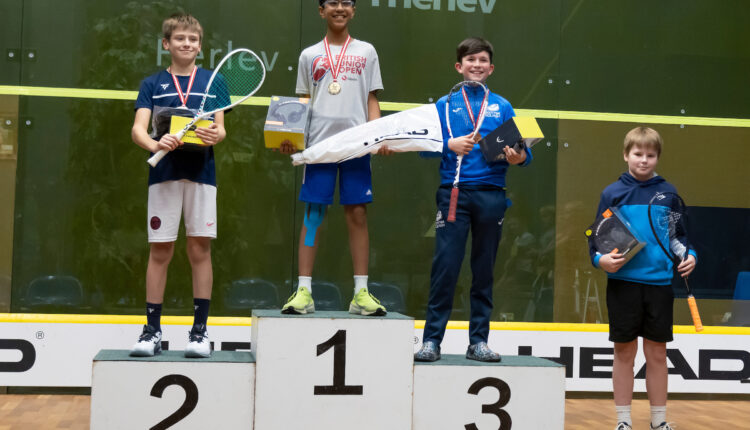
point(57, 350)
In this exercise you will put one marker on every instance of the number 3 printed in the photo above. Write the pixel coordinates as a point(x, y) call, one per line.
point(496, 408)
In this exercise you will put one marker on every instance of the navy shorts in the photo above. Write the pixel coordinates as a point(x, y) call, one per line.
point(636, 309)
point(355, 182)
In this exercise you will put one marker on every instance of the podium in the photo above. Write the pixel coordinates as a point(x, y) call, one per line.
point(171, 390)
point(521, 392)
point(332, 370)
point(326, 370)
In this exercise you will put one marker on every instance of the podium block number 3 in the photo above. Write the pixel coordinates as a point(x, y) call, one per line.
point(339, 387)
point(191, 398)
point(495, 408)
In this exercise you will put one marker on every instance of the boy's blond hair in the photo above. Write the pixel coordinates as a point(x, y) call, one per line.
point(643, 137)
point(181, 20)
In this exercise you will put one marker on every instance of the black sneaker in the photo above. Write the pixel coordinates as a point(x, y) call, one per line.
point(198, 344)
point(149, 343)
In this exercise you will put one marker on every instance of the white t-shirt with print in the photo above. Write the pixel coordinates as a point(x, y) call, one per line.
point(359, 75)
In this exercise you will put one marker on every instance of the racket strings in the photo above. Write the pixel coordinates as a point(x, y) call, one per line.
point(673, 229)
point(241, 74)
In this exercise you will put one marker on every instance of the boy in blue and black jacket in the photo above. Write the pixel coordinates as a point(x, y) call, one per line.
point(481, 209)
point(639, 291)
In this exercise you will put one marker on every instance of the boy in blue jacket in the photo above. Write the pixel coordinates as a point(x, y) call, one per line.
point(481, 209)
point(639, 291)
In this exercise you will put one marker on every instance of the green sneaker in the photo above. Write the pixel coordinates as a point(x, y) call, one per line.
point(301, 302)
point(364, 303)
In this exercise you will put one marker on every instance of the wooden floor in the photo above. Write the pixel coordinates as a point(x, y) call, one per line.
point(52, 412)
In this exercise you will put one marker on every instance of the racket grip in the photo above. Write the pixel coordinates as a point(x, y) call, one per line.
point(694, 313)
point(154, 160)
point(453, 204)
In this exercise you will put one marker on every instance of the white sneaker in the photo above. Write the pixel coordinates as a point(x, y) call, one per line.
point(623, 426)
point(663, 426)
point(198, 344)
point(149, 343)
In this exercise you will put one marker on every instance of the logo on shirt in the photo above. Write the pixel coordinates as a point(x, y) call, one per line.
point(494, 107)
point(164, 86)
point(320, 67)
point(457, 110)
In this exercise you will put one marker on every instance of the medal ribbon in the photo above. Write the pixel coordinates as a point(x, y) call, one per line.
point(335, 70)
point(468, 107)
point(183, 96)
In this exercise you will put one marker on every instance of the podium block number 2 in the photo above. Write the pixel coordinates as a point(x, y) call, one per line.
point(191, 398)
point(495, 408)
point(339, 387)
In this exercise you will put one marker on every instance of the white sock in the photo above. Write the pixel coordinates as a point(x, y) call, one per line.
point(623, 415)
point(360, 281)
point(305, 281)
point(658, 415)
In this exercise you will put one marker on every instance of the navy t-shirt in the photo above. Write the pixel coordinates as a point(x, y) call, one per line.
point(159, 94)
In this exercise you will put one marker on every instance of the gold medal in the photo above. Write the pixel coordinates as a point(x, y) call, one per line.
point(334, 88)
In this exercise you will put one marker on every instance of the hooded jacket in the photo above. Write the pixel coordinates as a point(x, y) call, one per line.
point(631, 197)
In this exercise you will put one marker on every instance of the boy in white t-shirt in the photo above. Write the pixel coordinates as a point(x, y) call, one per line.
point(341, 75)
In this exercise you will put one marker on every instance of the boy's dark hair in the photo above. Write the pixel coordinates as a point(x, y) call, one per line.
point(181, 20)
point(473, 45)
point(322, 2)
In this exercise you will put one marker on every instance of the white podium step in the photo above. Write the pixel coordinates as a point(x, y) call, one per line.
point(521, 392)
point(171, 390)
point(332, 370)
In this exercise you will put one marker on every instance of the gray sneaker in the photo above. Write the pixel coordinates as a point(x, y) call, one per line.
point(430, 351)
point(623, 426)
point(482, 352)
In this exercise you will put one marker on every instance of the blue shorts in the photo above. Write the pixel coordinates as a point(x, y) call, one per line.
point(355, 182)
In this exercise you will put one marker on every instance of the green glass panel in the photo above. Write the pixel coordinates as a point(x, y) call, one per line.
point(591, 157)
point(114, 45)
point(656, 57)
point(10, 41)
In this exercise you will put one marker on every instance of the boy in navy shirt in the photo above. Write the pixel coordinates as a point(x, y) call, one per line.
point(183, 181)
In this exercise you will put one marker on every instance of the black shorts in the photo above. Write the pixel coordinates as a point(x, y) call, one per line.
point(636, 309)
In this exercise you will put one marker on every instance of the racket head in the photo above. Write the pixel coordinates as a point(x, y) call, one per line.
point(608, 235)
point(668, 219)
point(457, 117)
point(237, 77)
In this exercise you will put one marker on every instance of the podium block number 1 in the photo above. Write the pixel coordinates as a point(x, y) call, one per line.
point(494, 408)
point(191, 398)
point(339, 387)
